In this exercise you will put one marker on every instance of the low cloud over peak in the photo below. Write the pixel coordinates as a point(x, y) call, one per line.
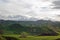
point(31, 8)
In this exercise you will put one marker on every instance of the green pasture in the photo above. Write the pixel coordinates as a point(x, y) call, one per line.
point(34, 37)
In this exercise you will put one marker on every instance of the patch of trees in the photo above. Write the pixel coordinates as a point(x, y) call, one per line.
point(24, 35)
point(2, 38)
point(1, 32)
point(48, 34)
point(58, 39)
point(17, 28)
point(44, 31)
point(10, 38)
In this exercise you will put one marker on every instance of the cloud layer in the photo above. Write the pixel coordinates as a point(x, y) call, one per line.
point(57, 4)
point(40, 9)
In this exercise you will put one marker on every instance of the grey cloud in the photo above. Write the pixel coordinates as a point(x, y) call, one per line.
point(14, 7)
point(56, 7)
point(58, 15)
point(56, 4)
point(29, 8)
point(4, 1)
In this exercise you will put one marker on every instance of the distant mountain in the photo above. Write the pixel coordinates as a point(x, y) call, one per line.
point(39, 27)
point(18, 18)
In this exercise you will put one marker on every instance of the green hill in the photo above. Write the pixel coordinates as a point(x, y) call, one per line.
point(40, 27)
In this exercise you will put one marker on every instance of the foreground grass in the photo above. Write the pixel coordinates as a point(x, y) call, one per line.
point(35, 37)
point(41, 38)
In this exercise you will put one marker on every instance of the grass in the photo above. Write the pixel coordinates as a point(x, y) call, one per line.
point(35, 37)
point(41, 38)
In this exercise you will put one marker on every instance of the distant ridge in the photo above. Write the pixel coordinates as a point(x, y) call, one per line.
point(17, 18)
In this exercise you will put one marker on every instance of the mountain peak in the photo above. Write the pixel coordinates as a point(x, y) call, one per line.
point(18, 18)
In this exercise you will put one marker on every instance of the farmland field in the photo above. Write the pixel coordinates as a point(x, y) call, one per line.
point(35, 37)
point(30, 30)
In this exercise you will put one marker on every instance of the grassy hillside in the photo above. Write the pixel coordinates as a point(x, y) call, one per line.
point(17, 37)
point(40, 27)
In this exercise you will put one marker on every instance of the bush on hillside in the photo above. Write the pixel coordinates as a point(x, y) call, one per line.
point(10, 38)
point(58, 39)
point(2, 38)
point(23, 35)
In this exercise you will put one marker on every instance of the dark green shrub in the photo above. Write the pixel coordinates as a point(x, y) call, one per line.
point(23, 35)
point(2, 38)
point(11, 38)
point(58, 39)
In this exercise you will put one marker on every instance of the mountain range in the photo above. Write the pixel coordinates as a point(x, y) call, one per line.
point(18, 18)
point(39, 27)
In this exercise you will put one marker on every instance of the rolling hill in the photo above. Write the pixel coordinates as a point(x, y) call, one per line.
point(40, 27)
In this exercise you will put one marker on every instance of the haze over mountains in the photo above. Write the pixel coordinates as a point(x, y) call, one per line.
point(18, 18)
point(40, 27)
point(29, 9)
point(26, 18)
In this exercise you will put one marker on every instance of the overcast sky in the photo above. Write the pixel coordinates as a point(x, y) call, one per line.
point(41, 9)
